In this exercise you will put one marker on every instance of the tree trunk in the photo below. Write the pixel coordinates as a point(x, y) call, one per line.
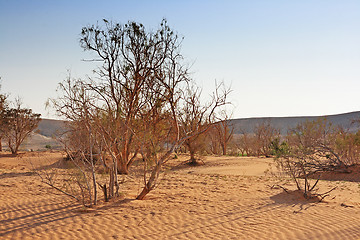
point(192, 156)
point(122, 168)
point(143, 193)
point(105, 193)
point(111, 183)
point(193, 159)
point(13, 151)
point(224, 149)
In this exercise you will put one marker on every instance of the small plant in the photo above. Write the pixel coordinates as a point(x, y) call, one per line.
point(279, 149)
point(48, 146)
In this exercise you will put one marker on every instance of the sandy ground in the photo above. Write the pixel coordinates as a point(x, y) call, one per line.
point(227, 198)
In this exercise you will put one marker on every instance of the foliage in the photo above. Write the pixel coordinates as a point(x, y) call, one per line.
point(279, 149)
point(347, 146)
point(19, 123)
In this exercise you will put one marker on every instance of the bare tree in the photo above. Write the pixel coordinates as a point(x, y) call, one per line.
point(177, 104)
point(78, 105)
point(193, 118)
point(245, 143)
point(224, 131)
point(264, 135)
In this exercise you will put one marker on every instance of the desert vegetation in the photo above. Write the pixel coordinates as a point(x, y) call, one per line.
point(312, 149)
point(232, 120)
point(142, 106)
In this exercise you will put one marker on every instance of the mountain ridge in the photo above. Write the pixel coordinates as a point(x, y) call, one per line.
point(50, 128)
point(247, 125)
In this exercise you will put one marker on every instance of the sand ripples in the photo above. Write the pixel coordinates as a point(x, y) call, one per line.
point(185, 206)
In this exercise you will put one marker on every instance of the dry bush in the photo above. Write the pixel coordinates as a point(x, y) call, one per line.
point(309, 151)
point(347, 146)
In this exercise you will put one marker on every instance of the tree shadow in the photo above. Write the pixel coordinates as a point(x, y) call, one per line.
point(114, 203)
point(35, 217)
point(16, 174)
point(9, 155)
point(187, 164)
point(60, 164)
point(295, 198)
point(350, 174)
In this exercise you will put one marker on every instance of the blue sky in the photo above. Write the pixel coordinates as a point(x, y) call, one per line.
point(281, 58)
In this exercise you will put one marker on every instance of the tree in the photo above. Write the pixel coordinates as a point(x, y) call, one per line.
point(185, 100)
point(224, 131)
point(84, 144)
point(134, 103)
point(264, 136)
point(3, 125)
point(347, 146)
point(20, 122)
point(3, 107)
point(193, 118)
point(246, 143)
point(134, 62)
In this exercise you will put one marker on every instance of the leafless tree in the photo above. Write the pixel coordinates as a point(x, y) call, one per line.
point(78, 105)
point(193, 118)
point(264, 135)
point(245, 143)
point(181, 133)
point(224, 131)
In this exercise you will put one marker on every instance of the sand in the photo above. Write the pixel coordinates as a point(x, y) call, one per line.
point(227, 198)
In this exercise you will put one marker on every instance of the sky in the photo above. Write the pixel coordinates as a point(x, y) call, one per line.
point(280, 58)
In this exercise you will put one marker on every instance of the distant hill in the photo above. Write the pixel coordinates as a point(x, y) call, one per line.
point(247, 125)
point(43, 136)
point(50, 127)
point(39, 142)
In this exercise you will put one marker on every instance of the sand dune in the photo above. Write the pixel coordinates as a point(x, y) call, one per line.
point(228, 198)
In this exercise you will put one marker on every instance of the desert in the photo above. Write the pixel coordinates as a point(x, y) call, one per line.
point(226, 198)
point(179, 120)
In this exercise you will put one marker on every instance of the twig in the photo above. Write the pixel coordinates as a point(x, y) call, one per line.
point(58, 189)
point(325, 194)
point(277, 185)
